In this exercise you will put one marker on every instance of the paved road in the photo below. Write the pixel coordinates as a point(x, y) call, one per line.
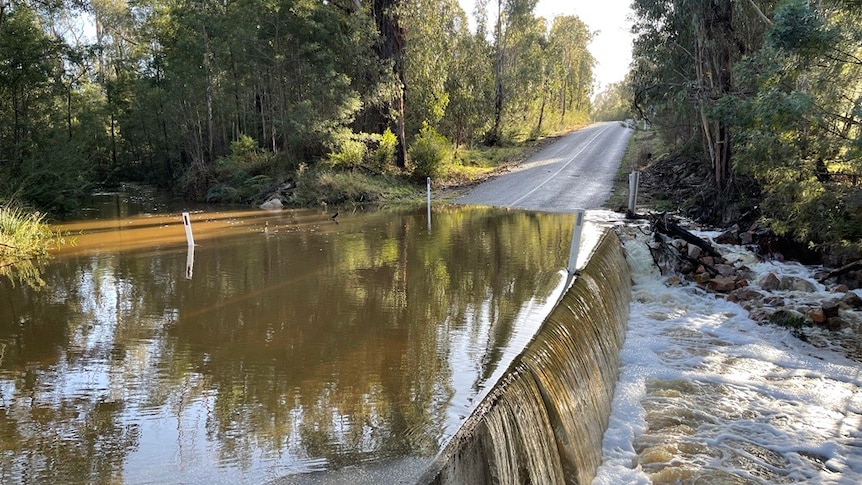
point(576, 172)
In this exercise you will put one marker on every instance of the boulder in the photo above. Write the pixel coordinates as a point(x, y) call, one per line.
point(694, 252)
point(830, 308)
point(852, 300)
point(795, 283)
point(769, 282)
point(725, 269)
point(722, 284)
point(272, 204)
point(730, 236)
point(816, 314)
point(747, 294)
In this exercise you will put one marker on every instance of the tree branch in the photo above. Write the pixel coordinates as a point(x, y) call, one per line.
point(760, 13)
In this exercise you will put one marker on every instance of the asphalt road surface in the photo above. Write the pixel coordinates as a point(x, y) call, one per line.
point(576, 172)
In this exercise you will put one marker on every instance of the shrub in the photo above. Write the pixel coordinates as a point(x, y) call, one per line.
point(429, 153)
point(350, 153)
point(24, 239)
point(384, 154)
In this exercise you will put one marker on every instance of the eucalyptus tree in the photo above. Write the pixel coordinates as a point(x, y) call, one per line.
point(798, 120)
point(684, 53)
point(511, 18)
point(290, 75)
point(470, 90)
point(572, 65)
point(433, 31)
point(40, 161)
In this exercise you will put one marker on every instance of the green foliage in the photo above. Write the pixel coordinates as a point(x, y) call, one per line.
point(324, 187)
point(614, 102)
point(245, 156)
point(429, 153)
point(384, 154)
point(798, 27)
point(216, 98)
point(785, 137)
point(789, 114)
point(24, 242)
point(350, 154)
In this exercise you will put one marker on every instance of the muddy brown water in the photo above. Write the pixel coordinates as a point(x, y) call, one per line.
point(285, 346)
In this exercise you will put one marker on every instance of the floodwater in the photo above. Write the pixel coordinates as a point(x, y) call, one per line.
point(706, 395)
point(285, 346)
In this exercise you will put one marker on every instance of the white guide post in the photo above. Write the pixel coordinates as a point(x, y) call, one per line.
point(188, 225)
point(634, 181)
point(190, 261)
point(428, 197)
point(576, 241)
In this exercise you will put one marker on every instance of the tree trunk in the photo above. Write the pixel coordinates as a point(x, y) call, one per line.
point(391, 48)
point(494, 137)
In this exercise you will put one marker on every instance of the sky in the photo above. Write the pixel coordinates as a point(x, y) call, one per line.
point(611, 47)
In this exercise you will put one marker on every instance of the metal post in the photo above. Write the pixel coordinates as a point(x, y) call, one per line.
point(576, 241)
point(188, 225)
point(634, 181)
point(428, 181)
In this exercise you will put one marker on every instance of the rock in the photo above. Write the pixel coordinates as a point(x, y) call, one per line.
point(694, 252)
point(769, 282)
point(830, 308)
point(841, 289)
point(725, 269)
point(747, 294)
point(788, 318)
point(746, 238)
point(708, 260)
point(837, 323)
point(673, 281)
point(774, 301)
point(816, 314)
point(722, 284)
point(852, 300)
point(795, 283)
point(730, 236)
point(272, 204)
point(761, 314)
point(741, 282)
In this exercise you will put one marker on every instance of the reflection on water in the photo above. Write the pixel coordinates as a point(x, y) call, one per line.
point(295, 345)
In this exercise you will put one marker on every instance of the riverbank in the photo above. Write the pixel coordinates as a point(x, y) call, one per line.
point(24, 243)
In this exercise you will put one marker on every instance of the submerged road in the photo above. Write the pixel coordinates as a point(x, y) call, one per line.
point(576, 172)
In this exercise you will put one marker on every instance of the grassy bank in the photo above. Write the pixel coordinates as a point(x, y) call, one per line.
point(643, 149)
point(24, 242)
point(460, 169)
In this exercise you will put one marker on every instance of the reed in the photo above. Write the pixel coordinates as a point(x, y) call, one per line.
point(24, 242)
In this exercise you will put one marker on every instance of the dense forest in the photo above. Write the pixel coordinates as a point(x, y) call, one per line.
point(220, 99)
point(769, 96)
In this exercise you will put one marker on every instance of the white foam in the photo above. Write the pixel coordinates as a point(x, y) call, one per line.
point(705, 394)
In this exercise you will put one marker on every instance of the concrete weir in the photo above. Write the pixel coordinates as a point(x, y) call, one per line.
point(543, 422)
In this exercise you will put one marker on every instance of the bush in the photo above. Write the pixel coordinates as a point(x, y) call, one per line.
point(429, 153)
point(384, 154)
point(24, 239)
point(244, 155)
point(350, 154)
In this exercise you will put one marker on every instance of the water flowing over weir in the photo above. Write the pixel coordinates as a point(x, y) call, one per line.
point(543, 421)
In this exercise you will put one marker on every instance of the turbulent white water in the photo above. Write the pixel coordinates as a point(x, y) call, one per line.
point(708, 396)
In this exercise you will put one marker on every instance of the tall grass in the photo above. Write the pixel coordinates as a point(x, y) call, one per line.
point(24, 242)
